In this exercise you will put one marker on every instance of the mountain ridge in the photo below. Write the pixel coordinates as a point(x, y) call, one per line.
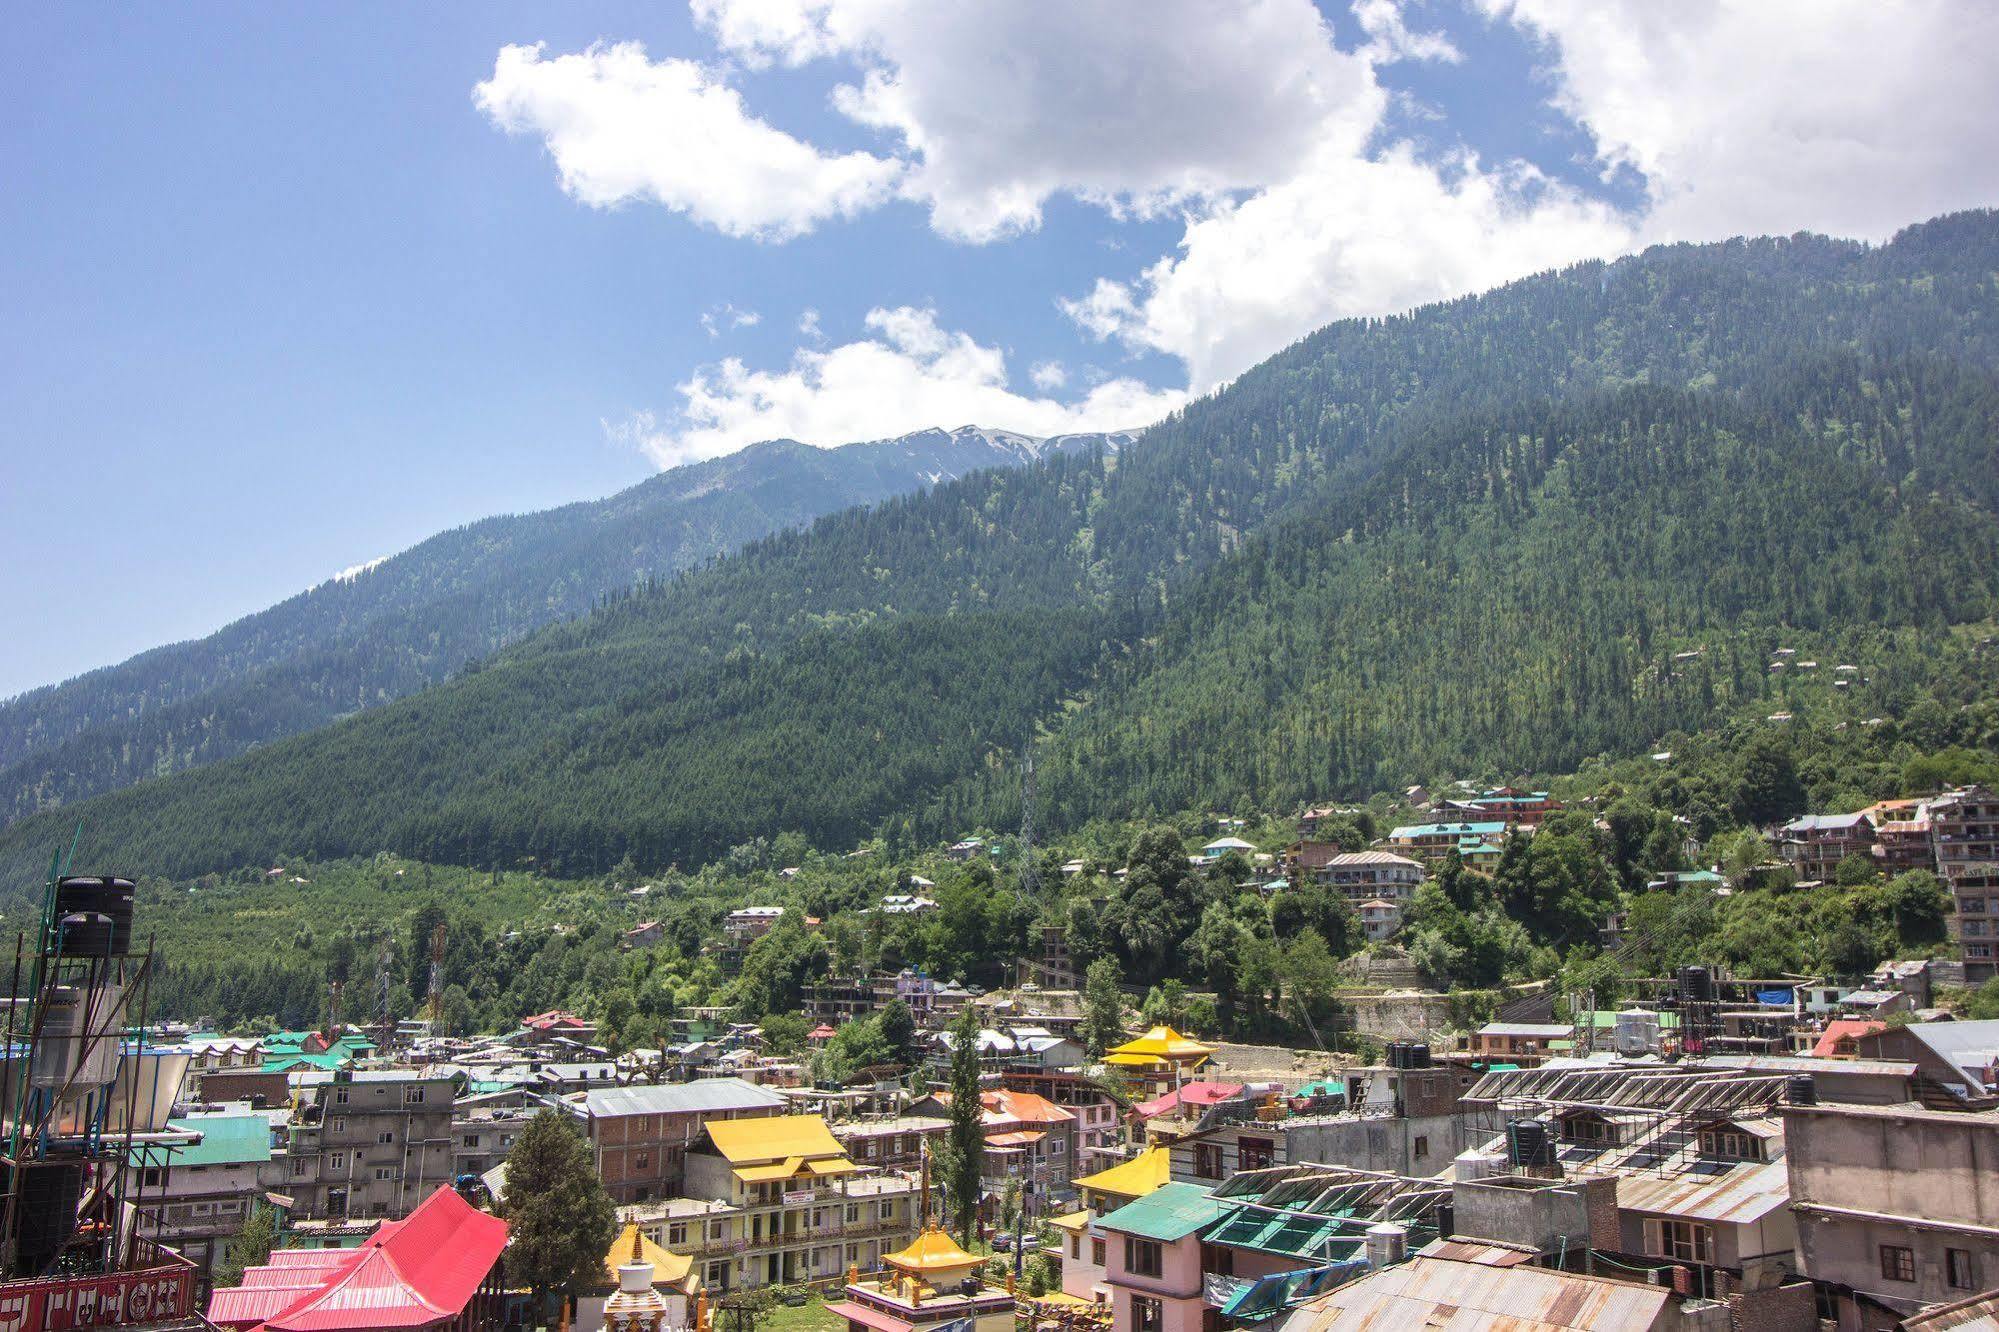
point(1471, 534)
point(379, 631)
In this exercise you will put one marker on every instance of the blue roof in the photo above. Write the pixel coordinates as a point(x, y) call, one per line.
point(1170, 1212)
point(1447, 829)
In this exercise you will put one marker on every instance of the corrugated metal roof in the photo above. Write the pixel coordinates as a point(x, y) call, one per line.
point(1742, 1193)
point(1170, 1212)
point(1439, 1295)
point(707, 1096)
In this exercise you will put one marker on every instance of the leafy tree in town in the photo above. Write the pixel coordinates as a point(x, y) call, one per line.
point(560, 1218)
point(1103, 1007)
point(249, 1247)
point(1771, 790)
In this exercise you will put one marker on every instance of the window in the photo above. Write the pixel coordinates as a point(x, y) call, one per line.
point(336, 1161)
point(385, 1138)
point(1147, 1315)
point(413, 1094)
point(1683, 1240)
point(383, 1173)
point(886, 1212)
point(471, 1140)
point(1958, 1270)
point(643, 1161)
point(152, 1177)
point(1143, 1257)
point(1734, 1145)
point(1898, 1262)
point(676, 1235)
point(340, 1123)
point(1097, 1250)
point(853, 1216)
point(1207, 1160)
point(1255, 1153)
point(1422, 1147)
point(1217, 1260)
point(340, 1097)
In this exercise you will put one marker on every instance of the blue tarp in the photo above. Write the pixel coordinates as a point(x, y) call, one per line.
point(1776, 998)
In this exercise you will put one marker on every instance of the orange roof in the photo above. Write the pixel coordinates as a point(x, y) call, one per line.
point(931, 1251)
point(1843, 1029)
point(1015, 1139)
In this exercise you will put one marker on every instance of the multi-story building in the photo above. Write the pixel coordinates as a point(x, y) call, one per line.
point(1030, 1141)
point(1360, 875)
point(1815, 844)
point(1096, 1132)
point(791, 1206)
point(1887, 1240)
point(640, 1136)
point(1478, 844)
point(895, 1142)
point(482, 1136)
point(1525, 809)
point(1964, 828)
point(369, 1143)
point(746, 925)
point(1901, 835)
point(192, 1199)
point(1053, 967)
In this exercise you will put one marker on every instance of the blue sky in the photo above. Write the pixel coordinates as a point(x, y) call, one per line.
point(280, 293)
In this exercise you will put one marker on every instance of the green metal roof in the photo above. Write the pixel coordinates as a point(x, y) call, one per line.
point(285, 1063)
point(1170, 1212)
point(225, 1140)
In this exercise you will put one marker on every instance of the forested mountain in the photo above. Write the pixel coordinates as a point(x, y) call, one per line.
point(1480, 536)
point(392, 628)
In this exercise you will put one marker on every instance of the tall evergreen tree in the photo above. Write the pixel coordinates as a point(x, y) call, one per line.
point(963, 1158)
point(560, 1219)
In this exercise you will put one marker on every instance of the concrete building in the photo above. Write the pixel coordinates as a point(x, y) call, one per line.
point(1957, 1063)
point(1359, 875)
point(797, 1209)
point(640, 1135)
point(1886, 1238)
point(192, 1199)
point(1964, 828)
point(368, 1144)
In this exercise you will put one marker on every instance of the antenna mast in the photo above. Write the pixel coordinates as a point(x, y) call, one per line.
point(1030, 879)
point(437, 978)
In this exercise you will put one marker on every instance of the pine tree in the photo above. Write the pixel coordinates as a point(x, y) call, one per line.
point(963, 1157)
point(561, 1220)
point(1103, 1006)
point(250, 1247)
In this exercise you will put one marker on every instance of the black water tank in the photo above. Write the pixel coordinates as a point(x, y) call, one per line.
point(111, 898)
point(1419, 1055)
point(1447, 1220)
point(1696, 985)
point(1801, 1089)
point(46, 1214)
point(1398, 1054)
point(1527, 1143)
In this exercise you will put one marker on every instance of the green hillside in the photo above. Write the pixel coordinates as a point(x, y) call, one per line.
point(1475, 538)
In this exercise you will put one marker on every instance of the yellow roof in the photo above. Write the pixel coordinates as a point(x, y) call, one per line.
point(1160, 1043)
point(793, 1165)
point(931, 1251)
point(1074, 1222)
point(762, 1141)
point(668, 1269)
point(1134, 1178)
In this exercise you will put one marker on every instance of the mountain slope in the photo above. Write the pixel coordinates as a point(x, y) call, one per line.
point(400, 624)
point(1468, 535)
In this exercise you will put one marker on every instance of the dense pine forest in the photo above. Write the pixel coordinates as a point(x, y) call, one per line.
point(1510, 533)
point(412, 620)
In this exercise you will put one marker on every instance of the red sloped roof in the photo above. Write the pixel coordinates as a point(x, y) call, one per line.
point(1191, 1094)
point(1827, 1045)
point(420, 1270)
point(248, 1306)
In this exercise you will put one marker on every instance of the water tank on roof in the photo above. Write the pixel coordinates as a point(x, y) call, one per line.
point(1527, 1143)
point(1419, 1055)
point(1696, 985)
point(105, 908)
point(1637, 1032)
point(1801, 1089)
point(1387, 1244)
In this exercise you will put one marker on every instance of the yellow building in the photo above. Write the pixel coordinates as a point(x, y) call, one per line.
point(931, 1282)
point(782, 1203)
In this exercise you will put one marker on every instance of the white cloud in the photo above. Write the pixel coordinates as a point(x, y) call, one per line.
point(1772, 116)
point(998, 108)
point(908, 374)
point(622, 127)
point(723, 318)
point(1389, 38)
point(1345, 236)
point(808, 325)
point(1048, 375)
